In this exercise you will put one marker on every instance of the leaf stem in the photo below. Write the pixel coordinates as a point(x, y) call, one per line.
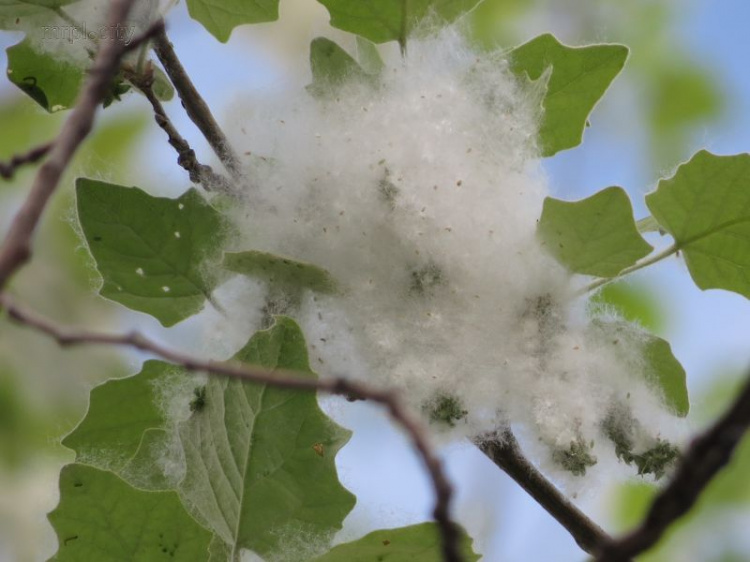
point(673, 249)
point(648, 224)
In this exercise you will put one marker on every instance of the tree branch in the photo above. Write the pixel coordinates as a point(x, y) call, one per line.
point(16, 248)
point(199, 173)
point(705, 457)
point(349, 389)
point(505, 452)
point(8, 169)
point(195, 105)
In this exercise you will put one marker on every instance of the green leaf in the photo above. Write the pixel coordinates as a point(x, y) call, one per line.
point(415, 543)
point(51, 82)
point(368, 56)
point(595, 236)
point(14, 12)
point(666, 373)
point(705, 206)
point(119, 413)
point(391, 20)
point(260, 460)
point(579, 77)
point(220, 17)
point(280, 271)
point(660, 367)
point(331, 67)
point(648, 224)
point(634, 302)
point(100, 517)
point(162, 86)
point(150, 251)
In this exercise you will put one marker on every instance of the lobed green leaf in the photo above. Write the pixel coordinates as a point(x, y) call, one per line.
point(260, 459)
point(51, 82)
point(660, 367)
point(151, 251)
point(595, 236)
point(415, 543)
point(120, 411)
point(331, 67)
point(666, 373)
point(576, 78)
point(392, 20)
point(705, 206)
point(222, 16)
point(280, 271)
point(101, 517)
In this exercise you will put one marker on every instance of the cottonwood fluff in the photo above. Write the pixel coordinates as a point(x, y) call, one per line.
point(420, 195)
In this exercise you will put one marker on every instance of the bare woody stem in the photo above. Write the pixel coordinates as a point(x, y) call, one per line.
point(199, 173)
point(349, 389)
point(505, 452)
point(16, 248)
point(195, 105)
point(706, 456)
point(8, 169)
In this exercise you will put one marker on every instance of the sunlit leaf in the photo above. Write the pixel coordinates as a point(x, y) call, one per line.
point(220, 17)
point(594, 236)
point(667, 374)
point(579, 77)
point(705, 206)
point(391, 20)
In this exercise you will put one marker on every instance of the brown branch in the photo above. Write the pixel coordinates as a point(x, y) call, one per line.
point(706, 456)
point(195, 105)
point(16, 248)
point(349, 389)
point(503, 449)
point(8, 169)
point(199, 173)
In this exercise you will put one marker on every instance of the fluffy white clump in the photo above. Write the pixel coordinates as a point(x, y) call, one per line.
point(420, 196)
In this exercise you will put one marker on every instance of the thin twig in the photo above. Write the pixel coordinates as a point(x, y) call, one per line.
point(705, 457)
point(8, 169)
point(16, 248)
point(503, 449)
point(349, 389)
point(195, 106)
point(199, 173)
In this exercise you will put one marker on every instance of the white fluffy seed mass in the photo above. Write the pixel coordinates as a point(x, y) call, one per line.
point(420, 196)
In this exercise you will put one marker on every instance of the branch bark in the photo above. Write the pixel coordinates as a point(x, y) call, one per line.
point(199, 173)
point(195, 105)
point(706, 456)
point(8, 169)
point(505, 452)
point(349, 389)
point(16, 248)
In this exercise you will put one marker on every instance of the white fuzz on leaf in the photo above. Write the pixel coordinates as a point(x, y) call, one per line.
point(420, 196)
